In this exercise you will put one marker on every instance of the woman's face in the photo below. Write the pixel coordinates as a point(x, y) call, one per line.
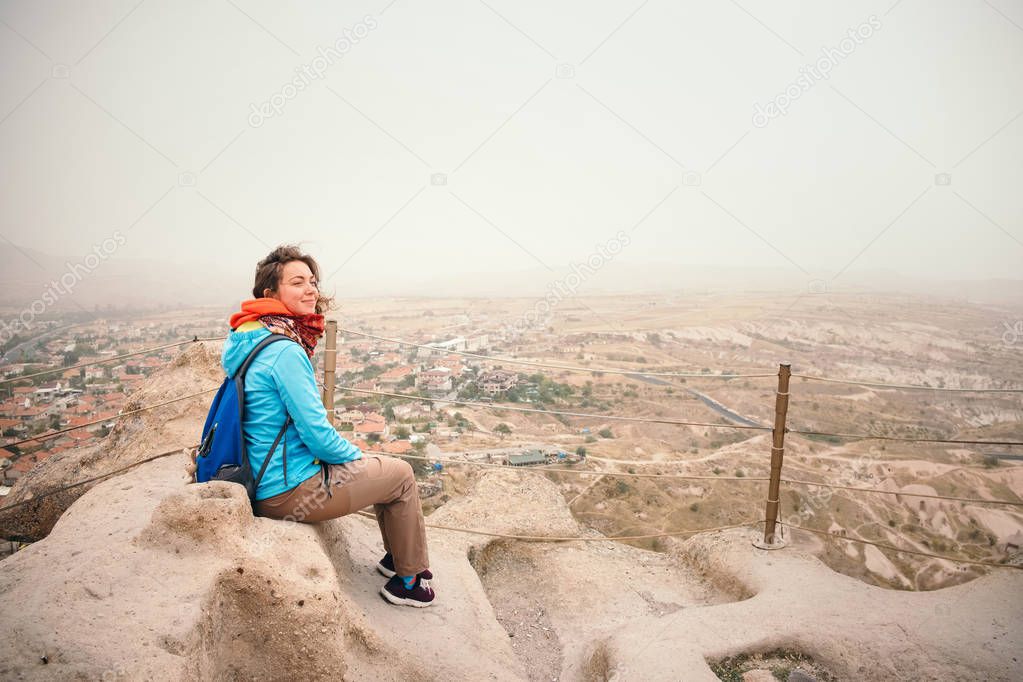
point(298, 289)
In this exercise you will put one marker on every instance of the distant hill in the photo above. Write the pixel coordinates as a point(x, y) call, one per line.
point(134, 283)
point(628, 278)
point(122, 283)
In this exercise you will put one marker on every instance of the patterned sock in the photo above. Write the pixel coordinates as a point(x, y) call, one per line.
point(409, 581)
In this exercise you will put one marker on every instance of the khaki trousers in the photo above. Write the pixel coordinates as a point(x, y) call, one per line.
point(386, 483)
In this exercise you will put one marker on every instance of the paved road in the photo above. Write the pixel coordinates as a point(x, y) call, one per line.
point(705, 399)
point(722, 410)
point(28, 344)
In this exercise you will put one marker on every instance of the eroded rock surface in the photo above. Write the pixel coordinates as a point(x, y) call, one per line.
point(147, 577)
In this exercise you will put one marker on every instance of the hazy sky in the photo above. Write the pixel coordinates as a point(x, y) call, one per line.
point(455, 137)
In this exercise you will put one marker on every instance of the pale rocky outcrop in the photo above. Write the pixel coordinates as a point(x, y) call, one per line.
point(146, 577)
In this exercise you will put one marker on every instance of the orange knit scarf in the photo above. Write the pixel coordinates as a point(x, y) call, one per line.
point(275, 316)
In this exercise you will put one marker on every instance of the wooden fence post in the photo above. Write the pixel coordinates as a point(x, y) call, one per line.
point(781, 407)
point(330, 368)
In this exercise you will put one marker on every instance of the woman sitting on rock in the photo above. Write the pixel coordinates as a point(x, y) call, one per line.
point(323, 475)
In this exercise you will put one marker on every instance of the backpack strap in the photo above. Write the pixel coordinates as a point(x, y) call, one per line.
point(286, 451)
point(255, 351)
point(266, 461)
point(240, 374)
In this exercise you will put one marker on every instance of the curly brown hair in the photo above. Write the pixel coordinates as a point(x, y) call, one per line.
point(268, 273)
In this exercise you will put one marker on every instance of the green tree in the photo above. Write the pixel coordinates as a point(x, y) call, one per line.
point(470, 391)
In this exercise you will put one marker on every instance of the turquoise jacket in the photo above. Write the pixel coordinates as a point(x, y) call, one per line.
point(280, 382)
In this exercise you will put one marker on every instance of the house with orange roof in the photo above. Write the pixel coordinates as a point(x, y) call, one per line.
point(20, 467)
point(452, 362)
point(150, 364)
point(82, 421)
point(367, 385)
point(79, 411)
point(397, 447)
point(27, 414)
point(43, 455)
point(14, 424)
point(345, 363)
point(80, 436)
point(436, 379)
point(368, 427)
point(394, 376)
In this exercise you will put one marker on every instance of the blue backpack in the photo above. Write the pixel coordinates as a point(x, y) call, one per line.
point(222, 455)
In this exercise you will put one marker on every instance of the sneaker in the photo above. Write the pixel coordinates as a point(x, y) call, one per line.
point(420, 596)
point(385, 567)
